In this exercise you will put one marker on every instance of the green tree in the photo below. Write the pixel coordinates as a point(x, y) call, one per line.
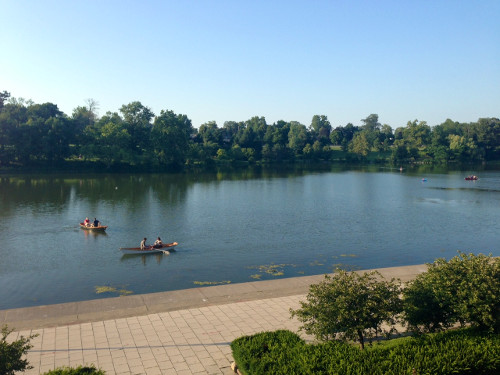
point(308, 151)
point(83, 117)
point(297, 137)
point(137, 119)
point(465, 290)
point(335, 137)
point(440, 133)
point(371, 123)
point(13, 116)
point(43, 133)
point(350, 306)
point(113, 143)
point(11, 353)
point(320, 128)
point(56, 138)
point(170, 139)
point(210, 133)
point(4, 95)
point(462, 148)
point(417, 134)
point(344, 135)
point(371, 129)
point(486, 133)
point(108, 140)
point(386, 137)
point(359, 144)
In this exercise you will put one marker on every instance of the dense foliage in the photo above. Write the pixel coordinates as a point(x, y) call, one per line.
point(350, 306)
point(451, 352)
point(136, 137)
point(80, 370)
point(464, 290)
point(11, 353)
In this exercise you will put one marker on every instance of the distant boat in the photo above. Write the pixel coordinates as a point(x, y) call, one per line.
point(424, 179)
point(471, 178)
point(91, 227)
point(150, 249)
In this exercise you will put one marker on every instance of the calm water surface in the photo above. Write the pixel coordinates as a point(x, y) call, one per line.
point(231, 228)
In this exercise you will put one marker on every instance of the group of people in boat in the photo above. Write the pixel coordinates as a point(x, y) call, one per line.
point(94, 224)
point(471, 177)
point(157, 244)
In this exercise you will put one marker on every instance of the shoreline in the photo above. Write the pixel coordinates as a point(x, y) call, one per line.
point(45, 316)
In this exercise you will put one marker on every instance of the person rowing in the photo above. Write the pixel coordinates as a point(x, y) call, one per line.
point(158, 243)
point(143, 244)
point(96, 222)
point(86, 222)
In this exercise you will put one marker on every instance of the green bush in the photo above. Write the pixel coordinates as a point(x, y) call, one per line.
point(80, 370)
point(258, 352)
point(350, 306)
point(11, 353)
point(451, 352)
point(464, 290)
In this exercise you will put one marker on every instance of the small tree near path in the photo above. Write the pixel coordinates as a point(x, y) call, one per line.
point(350, 306)
point(11, 353)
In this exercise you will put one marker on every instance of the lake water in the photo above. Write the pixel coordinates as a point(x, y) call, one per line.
point(233, 227)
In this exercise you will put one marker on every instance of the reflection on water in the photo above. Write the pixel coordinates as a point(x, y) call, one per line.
point(232, 226)
point(143, 257)
point(93, 233)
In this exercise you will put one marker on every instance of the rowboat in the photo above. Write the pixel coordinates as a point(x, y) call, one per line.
point(91, 227)
point(150, 249)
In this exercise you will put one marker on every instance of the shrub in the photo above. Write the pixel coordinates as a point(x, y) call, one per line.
point(350, 307)
point(464, 290)
point(451, 352)
point(11, 353)
point(258, 352)
point(80, 370)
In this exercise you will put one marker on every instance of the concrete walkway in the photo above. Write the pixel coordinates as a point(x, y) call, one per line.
point(179, 332)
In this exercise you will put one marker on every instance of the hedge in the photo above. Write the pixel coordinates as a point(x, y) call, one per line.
point(451, 352)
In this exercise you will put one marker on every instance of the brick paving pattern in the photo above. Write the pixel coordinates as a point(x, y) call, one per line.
point(178, 332)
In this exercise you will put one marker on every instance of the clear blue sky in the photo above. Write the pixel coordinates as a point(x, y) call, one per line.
point(285, 60)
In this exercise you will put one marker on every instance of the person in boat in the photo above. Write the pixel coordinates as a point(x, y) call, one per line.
point(86, 222)
point(96, 223)
point(158, 243)
point(143, 244)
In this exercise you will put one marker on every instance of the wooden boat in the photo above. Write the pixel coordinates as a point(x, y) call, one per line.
point(166, 247)
point(91, 227)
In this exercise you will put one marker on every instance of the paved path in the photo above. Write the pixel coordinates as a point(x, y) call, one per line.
point(178, 332)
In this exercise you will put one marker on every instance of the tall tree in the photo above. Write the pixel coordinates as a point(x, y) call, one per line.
point(170, 139)
point(371, 123)
point(297, 137)
point(359, 144)
point(137, 118)
point(4, 95)
point(487, 135)
point(209, 132)
point(320, 128)
point(417, 133)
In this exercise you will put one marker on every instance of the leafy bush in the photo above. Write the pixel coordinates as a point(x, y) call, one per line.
point(80, 370)
point(451, 352)
point(258, 352)
point(350, 307)
point(11, 353)
point(464, 290)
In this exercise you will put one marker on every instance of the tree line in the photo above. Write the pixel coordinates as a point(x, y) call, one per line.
point(136, 137)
